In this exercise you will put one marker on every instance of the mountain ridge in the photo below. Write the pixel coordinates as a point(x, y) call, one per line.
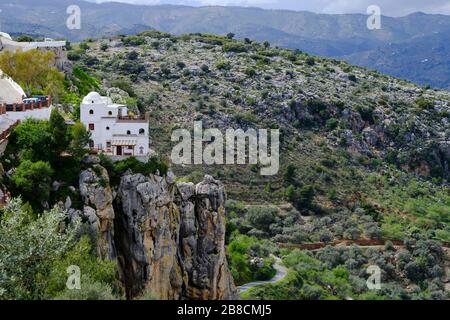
point(341, 36)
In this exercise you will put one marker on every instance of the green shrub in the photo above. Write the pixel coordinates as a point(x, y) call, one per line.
point(153, 165)
point(236, 47)
point(133, 41)
point(90, 290)
point(33, 181)
point(30, 247)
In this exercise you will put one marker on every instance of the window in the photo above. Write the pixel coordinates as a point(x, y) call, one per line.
point(141, 131)
point(110, 113)
point(107, 128)
point(91, 126)
point(91, 143)
point(108, 144)
point(128, 132)
point(141, 150)
point(130, 147)
point(91, 111)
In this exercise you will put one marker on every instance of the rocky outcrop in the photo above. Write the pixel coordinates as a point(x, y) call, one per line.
point(171, 238)
point(98, 207)
point(167, 238)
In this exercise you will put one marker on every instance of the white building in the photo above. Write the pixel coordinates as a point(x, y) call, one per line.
point(113, 131)
point(14, 109)
point(58, 47)
point(10, 91)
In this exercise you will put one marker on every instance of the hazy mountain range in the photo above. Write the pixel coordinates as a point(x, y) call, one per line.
point(415, 47)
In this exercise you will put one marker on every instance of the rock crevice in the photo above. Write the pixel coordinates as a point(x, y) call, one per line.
point(168, 238)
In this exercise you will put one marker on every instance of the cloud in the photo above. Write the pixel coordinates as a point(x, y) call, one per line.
point(388, 7)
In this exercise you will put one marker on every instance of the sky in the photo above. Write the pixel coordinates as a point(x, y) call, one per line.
point(388, 7)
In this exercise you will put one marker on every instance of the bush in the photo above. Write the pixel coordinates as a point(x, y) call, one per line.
point(241, 250)
point(352, 77)
point(33, 181)
point(306, 196)
point(32, 140)
point(133, 41)
point(95, 270)
point(153, 165)
point(236, 47)
point(104, 46)
point(29, 249)
point(250, 72)
point(310, 61)
point(90, 290)
point(262, 217)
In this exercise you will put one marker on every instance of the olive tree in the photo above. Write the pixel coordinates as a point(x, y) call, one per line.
point(28, 249)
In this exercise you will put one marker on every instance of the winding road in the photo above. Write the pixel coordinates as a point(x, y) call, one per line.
point(280, 275)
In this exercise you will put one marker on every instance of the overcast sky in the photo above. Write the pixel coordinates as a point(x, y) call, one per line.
point(388, 7)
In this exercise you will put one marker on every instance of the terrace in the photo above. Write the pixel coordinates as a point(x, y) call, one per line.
point(21, 107)
point(141, 118)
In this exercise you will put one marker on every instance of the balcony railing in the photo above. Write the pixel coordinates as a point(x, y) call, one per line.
point(141, 118)
point(21, 107)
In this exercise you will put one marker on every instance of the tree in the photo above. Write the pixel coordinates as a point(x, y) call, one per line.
point(33, 179)
point(372, 231)
point(230, 35)
point(104, 46)
point(289, 174)
point(262, 217)
point(58, 132)
point(33, 70)
point(306, 196)
point(29, 249)
point(79, 140)
point(24, 38)
point(31, 140)
point(290, 193)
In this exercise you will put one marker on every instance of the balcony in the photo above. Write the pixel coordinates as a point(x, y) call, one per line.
point(137, 119)
point(21, 107)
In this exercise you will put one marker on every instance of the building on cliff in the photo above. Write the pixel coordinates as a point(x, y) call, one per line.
point(114, 131)
point(15, 106)
point(57, 47)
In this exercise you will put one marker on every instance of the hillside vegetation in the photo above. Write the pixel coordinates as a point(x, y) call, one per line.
point(363, 156)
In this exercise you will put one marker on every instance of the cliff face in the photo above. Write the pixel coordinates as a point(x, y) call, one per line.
point(98, 208)
point(167, 238)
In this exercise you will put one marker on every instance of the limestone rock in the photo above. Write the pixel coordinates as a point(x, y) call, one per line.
point(172, 238)
point(98, 208)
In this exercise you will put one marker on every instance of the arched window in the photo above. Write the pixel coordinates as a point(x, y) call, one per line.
point(91, 111)
point(141, 150)
point(128, 132)
point(141, 131)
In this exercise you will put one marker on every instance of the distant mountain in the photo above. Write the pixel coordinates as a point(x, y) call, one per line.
point(414, 47)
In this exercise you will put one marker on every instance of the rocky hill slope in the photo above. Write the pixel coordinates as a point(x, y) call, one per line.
point(363, 156)
point(345, 131)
